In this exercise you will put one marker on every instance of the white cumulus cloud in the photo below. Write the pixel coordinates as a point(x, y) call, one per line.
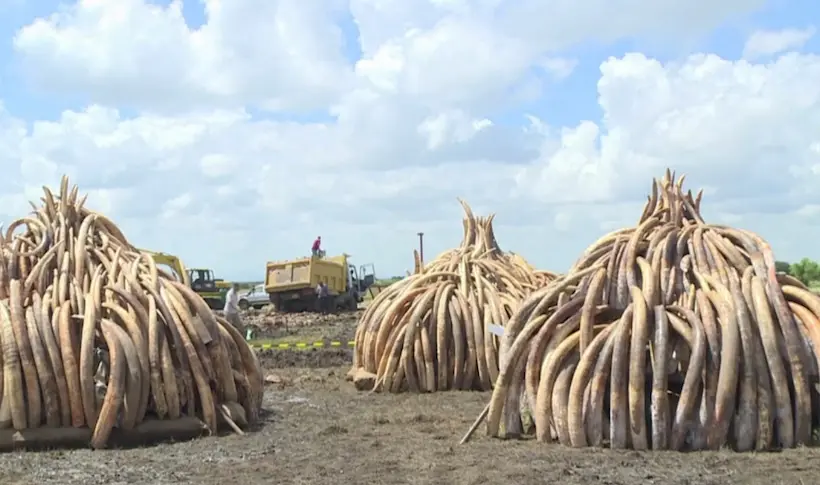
point(769, 42)
point(240, 140)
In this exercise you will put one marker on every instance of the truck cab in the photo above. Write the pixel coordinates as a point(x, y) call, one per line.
point(359, 281)
point(368, 277)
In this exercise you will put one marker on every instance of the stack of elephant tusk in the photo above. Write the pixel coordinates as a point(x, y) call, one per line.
point(94, 335)
point(675, 334)
point(430, 331)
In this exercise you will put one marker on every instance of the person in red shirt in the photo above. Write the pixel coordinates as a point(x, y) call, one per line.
point(317, 246)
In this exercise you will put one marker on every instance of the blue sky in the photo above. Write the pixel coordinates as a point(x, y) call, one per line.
point(574, 101)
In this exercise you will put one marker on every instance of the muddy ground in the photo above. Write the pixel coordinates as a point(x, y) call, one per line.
point(318, 430)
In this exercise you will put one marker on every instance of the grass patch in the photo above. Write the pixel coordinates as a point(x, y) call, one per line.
point(378, 287)
point(388, 281)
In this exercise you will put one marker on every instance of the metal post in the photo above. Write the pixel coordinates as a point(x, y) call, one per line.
point(421, 246)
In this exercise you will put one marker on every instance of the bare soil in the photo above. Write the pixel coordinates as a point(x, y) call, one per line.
point(306, 327)
point(317, 429)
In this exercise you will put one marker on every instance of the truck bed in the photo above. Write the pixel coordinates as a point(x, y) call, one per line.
point(299, 274)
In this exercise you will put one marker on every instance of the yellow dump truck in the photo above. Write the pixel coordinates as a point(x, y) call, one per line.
point(291, 284)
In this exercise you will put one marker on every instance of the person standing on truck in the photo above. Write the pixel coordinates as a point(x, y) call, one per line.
point(317, 246)
point(231, 309)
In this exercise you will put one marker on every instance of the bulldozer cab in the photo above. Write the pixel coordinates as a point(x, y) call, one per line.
point(202, 280)
point(208, 287)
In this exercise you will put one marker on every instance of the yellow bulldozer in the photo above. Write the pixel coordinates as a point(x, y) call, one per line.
point(201, 280)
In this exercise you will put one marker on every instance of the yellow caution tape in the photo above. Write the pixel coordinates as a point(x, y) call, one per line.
point(302, 345)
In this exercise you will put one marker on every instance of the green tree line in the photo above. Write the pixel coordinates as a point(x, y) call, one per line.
point(805, 270)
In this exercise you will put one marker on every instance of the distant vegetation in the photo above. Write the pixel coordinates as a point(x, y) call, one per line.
point(805, 270)
point(247, 285)
point(389, 281)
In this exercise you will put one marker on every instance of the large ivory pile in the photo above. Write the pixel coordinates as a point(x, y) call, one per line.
point(95, 337)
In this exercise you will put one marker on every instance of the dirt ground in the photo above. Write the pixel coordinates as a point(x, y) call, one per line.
point(271, 327)
point(318, 430)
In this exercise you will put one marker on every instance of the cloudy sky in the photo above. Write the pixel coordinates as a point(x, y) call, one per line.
point(232, 132)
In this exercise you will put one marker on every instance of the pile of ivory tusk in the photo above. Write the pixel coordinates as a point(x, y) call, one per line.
point(94, 335)
point(430, 331)
point(675, 334)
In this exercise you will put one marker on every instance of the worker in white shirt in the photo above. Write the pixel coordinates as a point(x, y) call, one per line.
point(231, 309)
point(323, 297)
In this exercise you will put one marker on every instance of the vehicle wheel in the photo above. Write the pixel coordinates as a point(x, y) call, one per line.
point(243, 304)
